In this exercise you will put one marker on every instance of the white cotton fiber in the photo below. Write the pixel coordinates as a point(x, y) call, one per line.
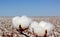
point(36, 28)
point(25, 22)
point(50, 28)
point(33, 25)
point(47, 26)
point(39, 31)
point(42, 24)
point(16, 21)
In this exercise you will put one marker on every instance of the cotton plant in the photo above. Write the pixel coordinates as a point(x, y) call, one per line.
point(47, 26)
point(34, 27)
point(21, 23)
point(24, 21)
point(39, 28)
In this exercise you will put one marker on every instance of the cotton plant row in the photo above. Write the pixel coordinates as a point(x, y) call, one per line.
point(42, 28)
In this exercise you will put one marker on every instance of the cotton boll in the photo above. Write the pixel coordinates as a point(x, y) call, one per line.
point(50, 27)
point(16, 21)
point(36, 28)
point(25, 21)
point(47, 26)
point(39, 31)
point(32, 26)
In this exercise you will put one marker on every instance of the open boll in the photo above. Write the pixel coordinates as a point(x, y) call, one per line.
point(40, 28)
point(34, 28)
point(16, 21)
point(21, 23)
point(24, 21)
point(33, 25)
point(46, 26)
point(39, 31)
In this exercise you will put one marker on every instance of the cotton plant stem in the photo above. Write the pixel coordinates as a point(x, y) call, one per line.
point(20, 30)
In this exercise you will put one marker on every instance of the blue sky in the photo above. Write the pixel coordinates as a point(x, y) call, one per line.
point(30, 7)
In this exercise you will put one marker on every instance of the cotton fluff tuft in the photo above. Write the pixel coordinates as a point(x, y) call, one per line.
point(47, 26)
point(39, 31)
point(33, 25)
point(16, 21)
point(25, 22)
point(39, 28)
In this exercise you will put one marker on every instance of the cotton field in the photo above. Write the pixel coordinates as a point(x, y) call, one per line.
point(24, 26)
